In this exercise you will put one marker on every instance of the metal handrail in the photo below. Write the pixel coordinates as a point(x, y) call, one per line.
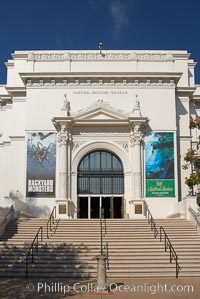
point(168, 245)
point(107, 254)
point(195, 215)
point(153, 223)
point(51, 222)
point(6, 216)
point(35, 242)
point(102, 228)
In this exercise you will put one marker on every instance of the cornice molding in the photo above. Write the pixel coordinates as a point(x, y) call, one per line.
point(181, 55)
point(185, 91)
point(96, 56)
point(9, 64)
point(140, 80)
point(192, 64)
point(16, 91)
point(196, 99)
point(147, 55)
point(5, 99)
point(17, 138)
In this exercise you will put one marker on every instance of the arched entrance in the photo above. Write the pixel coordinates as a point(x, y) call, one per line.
point(100, 185)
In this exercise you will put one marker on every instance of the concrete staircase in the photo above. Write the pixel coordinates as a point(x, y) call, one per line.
point(186, 242)
point(71, 251)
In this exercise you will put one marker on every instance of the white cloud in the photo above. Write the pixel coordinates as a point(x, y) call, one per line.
point(119, 15)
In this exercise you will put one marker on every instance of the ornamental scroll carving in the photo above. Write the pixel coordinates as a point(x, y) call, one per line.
point(136, 135)
point(64, 138)
point(64, 135)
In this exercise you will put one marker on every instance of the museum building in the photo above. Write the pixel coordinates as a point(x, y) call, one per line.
point(86, 130)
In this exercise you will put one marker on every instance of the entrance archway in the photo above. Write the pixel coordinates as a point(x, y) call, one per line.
point(100, 185)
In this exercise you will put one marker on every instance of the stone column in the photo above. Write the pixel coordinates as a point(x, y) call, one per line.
point(137, 163)
point(135, 147)
point(63, 150)
point(132, 160)
point(69, 157)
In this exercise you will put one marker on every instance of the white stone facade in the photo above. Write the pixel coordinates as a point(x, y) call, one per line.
point(96, 102)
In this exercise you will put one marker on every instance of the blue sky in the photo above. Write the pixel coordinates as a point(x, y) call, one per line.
point(82, 24)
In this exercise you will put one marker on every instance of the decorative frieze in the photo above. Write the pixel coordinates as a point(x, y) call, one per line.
point(100, 83)
point(96, 56)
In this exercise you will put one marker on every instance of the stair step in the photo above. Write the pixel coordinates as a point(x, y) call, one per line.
point(72, 250)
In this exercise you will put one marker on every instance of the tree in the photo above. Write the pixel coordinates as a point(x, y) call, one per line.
point(192, 159)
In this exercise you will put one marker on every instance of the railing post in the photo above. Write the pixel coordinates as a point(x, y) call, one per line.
point(170, 254)
point(37, 243)
point(32, 254)
point(27, 266)
point(177, 268)
point(107, 255)
point(148, 216)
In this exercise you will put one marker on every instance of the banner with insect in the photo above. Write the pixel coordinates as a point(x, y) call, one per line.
point(41, 164)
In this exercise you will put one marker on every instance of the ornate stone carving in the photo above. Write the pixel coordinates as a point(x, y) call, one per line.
point(136, 134)
point(108, 56)
point(100, 83)
point(137, 139)
point(62, 139)
point(76, 145)
point(124, 144)
point(104, 105)
point(66, 106)
point(49, 56)
point(136, 110)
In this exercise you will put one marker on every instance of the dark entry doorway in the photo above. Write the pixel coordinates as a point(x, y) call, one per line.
point(83, 207)
point(105, 204)
point(96, 206)
point(117, 207)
